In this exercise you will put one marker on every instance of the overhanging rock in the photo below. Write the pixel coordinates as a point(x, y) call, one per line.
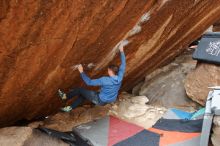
point(41, 40)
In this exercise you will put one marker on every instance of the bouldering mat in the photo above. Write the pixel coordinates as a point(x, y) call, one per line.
point(174, 113)
point(107, 131)
point(179, 128)
point(171, 130)
point(143, 138)
point(179, 125)
point(209, 48)
point(173, 138)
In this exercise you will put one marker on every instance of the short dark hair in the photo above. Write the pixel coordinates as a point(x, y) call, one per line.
point(114, 68)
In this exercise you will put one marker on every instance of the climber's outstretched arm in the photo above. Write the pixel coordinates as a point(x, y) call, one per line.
point(87, 80)
point(123, 64)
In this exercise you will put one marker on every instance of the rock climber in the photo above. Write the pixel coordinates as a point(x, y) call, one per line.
point(110, 86)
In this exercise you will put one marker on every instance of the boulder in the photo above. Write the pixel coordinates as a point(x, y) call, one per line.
point(66, 121)
point(216, 26)
point(198, 81)
point(216, 132)
point(14, 136)
point(137, 88)
point(41, 139)
point(139, 112)
point(142, 100)
point(26, 136)
point(41, 40)
point(165, 86)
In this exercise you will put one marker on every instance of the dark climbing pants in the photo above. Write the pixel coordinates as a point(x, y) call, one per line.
point(84, 94)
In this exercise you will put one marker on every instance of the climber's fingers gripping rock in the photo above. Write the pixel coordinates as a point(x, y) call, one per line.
point(80, 68)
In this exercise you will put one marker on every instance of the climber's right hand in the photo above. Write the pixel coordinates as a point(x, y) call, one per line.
point(121, 48)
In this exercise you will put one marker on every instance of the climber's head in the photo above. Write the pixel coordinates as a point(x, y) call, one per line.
point(113, 70)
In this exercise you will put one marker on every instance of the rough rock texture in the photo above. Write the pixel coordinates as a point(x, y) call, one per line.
point(137, 88)
point(165, 86)
point(40, 139)
point(198, 81)
point(15, 136)
point(66, 121)
point(40, 40)
point(135, 109)
point(131, 108)
point(26, 136)
point(216, 131)
point(216, 26)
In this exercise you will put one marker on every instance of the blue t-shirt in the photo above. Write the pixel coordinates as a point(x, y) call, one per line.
point(109, 85)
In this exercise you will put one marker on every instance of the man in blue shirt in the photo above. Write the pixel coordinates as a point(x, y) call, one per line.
point(110, 86)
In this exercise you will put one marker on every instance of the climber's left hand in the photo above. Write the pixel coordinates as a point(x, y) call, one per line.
point(80, 68)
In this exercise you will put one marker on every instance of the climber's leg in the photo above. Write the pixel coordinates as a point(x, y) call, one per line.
point(92, 96)
point(77, 102)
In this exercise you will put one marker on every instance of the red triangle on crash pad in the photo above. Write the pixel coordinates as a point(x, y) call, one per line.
point(120, 130)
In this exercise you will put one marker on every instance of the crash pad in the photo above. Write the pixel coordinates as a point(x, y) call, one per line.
point(107, 131)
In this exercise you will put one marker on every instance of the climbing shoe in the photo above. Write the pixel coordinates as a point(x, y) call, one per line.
point(62, 95)
point(66, 109)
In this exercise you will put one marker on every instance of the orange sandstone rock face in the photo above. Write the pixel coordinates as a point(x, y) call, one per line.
point(198, 81)
point(40, 41)
point(216, 26)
